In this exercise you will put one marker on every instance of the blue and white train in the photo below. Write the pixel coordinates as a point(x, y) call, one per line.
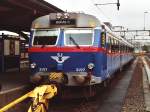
point(75, 49)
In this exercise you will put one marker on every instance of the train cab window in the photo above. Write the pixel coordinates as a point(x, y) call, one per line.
point(45, 37)
point(79, 37)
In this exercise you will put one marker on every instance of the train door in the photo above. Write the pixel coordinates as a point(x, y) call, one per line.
point(104, 54)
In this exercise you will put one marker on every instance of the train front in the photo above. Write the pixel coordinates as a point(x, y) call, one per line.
point(62, 52)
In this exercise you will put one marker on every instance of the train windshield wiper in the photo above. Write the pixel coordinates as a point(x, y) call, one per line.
point(74, 42)
point(43, 45)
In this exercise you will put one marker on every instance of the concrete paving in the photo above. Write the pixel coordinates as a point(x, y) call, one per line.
point(116, 97)
point(14, 79)
point(146, 86)
point(14, 84)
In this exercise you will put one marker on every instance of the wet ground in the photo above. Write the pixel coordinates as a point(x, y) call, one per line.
point(14, 79)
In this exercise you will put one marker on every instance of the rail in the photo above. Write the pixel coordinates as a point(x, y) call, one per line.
point(147, 69)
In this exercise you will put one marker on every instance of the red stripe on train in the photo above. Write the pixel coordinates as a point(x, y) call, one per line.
point(66, 49)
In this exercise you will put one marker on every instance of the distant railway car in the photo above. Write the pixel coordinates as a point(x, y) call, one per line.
point(75, 49)
point(9, 53)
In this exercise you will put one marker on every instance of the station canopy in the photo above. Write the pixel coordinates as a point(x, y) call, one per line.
point(17, 15)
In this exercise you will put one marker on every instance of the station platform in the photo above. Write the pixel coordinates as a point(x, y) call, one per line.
point(14, 79)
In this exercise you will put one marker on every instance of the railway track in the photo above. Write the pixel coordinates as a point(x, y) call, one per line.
point(147, 58)
point(108, 99)
point(134, 101)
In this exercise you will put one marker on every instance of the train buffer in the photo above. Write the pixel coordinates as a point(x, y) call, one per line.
point(40, 97)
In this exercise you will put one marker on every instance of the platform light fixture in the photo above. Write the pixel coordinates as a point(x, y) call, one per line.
point(62, 15)
point(66, 15)
point(58, 15)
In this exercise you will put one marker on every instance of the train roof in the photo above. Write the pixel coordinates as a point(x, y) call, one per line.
point(73, 20)
point(55, 20)
point(119, 38)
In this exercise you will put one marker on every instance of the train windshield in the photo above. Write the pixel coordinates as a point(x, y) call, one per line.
point(78, 37)
point(45, 37)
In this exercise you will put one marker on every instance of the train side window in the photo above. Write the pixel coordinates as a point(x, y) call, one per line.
point(124, 48)
point(109, 44)
point(121, 48)
point(130, 49)
point(113, 45)
point(117, 46)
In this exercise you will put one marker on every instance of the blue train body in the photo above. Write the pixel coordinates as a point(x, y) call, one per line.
point(80, 64)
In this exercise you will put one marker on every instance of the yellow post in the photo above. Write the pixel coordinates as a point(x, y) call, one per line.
point(40, 96)
point(12, 104)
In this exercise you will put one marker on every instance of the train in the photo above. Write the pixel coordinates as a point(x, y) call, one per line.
point(75, 49)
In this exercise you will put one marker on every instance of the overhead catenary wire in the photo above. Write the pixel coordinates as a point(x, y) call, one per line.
point(100, 10)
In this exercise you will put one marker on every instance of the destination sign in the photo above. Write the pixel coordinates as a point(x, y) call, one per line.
point(63, 22)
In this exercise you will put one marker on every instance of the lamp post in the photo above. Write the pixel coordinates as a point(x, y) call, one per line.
point(144, 18)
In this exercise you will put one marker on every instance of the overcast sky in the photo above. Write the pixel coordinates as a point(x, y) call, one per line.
point(130, 15)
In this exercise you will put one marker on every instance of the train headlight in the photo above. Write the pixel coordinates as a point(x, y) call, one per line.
point(33, 65)
point(91, 66)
